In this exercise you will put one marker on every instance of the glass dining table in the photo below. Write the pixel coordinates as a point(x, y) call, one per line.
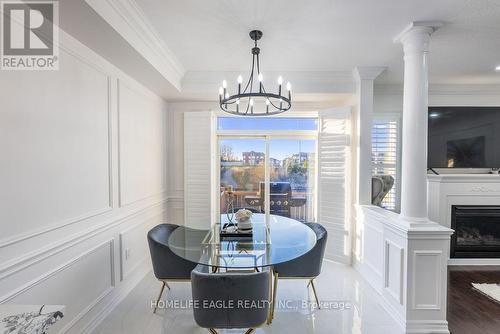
point(275, 239)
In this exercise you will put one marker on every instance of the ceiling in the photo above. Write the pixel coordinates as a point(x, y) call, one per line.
point(330, 35)
point(315, 44)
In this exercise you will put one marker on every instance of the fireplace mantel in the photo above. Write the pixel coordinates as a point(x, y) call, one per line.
point(446, 190)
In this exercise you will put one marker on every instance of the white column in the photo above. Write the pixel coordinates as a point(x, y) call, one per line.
point(365, 77)
point(415, 40)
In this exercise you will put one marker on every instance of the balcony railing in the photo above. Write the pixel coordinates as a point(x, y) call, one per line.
point(303, 212)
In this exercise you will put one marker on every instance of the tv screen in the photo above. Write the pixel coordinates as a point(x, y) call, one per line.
point(464, 137)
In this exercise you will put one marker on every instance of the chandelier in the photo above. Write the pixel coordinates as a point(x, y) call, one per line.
point(252, 99)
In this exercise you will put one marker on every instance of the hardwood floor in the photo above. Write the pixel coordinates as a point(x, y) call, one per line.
point(470, 312)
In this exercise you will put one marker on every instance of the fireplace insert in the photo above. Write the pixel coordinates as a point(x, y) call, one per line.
point(477, 231)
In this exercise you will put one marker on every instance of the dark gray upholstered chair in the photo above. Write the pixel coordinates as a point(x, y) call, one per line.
point(230, 287)
point(167, 266)
point(381, 185)
point(308, 266)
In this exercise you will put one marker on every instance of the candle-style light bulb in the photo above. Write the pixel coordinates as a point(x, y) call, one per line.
point(288, 86)
point(227, 95)
point(281, 104)
point(238, 105)
point(251, 106)
point(267, 106)
point(280, 82)
point(224, 86)
point(240, 80)
point(260, 77)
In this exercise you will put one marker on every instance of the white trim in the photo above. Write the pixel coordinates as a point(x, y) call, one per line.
point(109, 242)
point(126, 17)
point(267, 136)
point(38, 255)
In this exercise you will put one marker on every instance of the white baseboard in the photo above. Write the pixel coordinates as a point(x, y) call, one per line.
point(427, 327)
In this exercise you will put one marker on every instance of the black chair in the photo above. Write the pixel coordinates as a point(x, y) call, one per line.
point(308, 266)
point(167, 266)
point(234, 288)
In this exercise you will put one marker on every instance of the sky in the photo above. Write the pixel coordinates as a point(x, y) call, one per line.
point(278, 148)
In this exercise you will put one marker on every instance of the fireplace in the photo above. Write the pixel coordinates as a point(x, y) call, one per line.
point(477, 231)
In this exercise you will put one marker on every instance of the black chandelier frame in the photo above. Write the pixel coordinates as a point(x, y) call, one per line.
point(274, 103)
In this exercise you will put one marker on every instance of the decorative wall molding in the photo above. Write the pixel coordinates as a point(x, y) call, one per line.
point(42, 263)
point(154, 100)
point(131, 23)
point(51, 273)
point(394, 264)
point(36, 256)
point(109, 206)
point(414, 267)
point(18, 238)
point(120, 293)
point(437, 303)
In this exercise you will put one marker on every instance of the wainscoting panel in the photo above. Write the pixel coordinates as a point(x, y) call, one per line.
point(55, 148)
point(87, 279)
point(394, 270)
point(62, 226)
point(134, 246)
point(426, 291)
point(141, 131)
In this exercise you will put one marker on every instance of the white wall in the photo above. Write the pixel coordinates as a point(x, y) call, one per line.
point(83, 177)
point(389, 98)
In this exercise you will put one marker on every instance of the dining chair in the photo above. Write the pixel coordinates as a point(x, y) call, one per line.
point(307, 266)
point(248, 293)
point(167, 266)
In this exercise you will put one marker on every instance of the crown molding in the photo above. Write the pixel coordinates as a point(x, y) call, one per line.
point(443, 89)
point(126, 17)
point(430, 26)
point(303, 82)
point(368, 72)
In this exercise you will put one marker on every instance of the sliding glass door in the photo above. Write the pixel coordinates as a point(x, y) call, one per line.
point(292, 165)
point(250, 167)
point(242, 173)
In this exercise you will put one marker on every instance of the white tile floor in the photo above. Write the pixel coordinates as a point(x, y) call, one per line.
point(337, 283)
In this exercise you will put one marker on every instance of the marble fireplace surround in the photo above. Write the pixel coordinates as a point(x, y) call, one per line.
point(445, 190)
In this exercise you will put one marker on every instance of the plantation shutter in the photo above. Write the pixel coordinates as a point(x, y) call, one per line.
point(385, 132)
point(334, 181)
point(198, 158)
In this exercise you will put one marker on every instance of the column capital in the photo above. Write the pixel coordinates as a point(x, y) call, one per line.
point(367, 72)
point(416, 36)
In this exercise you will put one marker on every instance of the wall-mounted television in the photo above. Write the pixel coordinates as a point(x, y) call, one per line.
point(464, 137)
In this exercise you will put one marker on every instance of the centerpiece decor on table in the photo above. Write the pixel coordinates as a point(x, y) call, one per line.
point(242, 230)
point(244, 220)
